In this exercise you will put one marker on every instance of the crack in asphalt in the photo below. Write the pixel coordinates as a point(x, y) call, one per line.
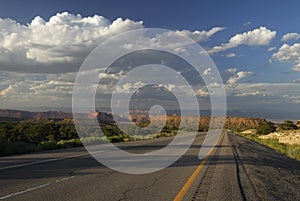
point(236, 159)
point(240, 167)
point(125, 193)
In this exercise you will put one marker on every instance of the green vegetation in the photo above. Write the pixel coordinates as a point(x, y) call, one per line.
point(287, 125)
point(265, 128)
point(32, 135)
point(42, 134)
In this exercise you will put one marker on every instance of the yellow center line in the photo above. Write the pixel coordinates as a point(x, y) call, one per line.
point(189, 182)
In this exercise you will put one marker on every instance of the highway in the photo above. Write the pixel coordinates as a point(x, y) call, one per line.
point(237, 169)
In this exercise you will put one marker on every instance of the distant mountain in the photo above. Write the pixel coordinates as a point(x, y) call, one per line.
point(137, 116)
point(58, 115)
point(28, 115)
point(236, 123)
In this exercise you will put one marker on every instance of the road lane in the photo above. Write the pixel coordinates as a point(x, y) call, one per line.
point(22, 160)
point(237, 169)
point(92, 181)
point(7, 162)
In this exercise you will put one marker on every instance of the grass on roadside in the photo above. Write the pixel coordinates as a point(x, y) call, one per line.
point(290, 150)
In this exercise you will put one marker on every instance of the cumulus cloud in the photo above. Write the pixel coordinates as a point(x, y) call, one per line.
point(57, 45)
point(290, 36)
point(239, 75)
point(289, 53)
point(61, 43)
point(257, 37)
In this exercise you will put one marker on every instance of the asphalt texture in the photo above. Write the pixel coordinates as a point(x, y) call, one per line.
point(237, 169)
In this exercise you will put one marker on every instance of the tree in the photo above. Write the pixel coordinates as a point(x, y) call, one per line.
point(265, 128)
point(19, 133)
point(287, 125)
point(67, 131)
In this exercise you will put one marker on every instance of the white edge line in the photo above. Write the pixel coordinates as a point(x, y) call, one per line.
point(35, 188)
point(24, 191)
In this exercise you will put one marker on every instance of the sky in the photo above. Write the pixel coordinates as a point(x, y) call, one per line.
point(255, 46)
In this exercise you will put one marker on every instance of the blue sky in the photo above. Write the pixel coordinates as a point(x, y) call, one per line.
point(261, 72)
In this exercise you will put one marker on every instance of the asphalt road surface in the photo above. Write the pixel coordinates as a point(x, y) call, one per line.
point(237, 169)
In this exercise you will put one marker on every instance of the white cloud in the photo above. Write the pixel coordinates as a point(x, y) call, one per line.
point(9, 89)
point(257, 37)
point(35, 89)
point(109, 76)
point(297, 80)
point(170, 87)
point(275, 90)
point(230, 55)
point(129, 87)
point(293, 98)
point(254, 93)
point(15, 91)
point(199, 36)
point(61, 43)
point(52, 88)
point(297, 101)
point(290, 36)
point(207, 72)
point(247, 23)
point(231, 71)
point(271, 49)
point(289, 53)
point(57, 45)
point(202, 92)
point(239, 75)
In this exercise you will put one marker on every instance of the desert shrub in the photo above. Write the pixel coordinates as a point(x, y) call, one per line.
point(94, 140)
point(287, 125)
point(69, 143)
point(116, 138)
point(48, 145)
point(11, 148)
point(203, 128)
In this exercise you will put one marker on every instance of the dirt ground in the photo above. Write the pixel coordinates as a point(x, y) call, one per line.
point(286, 137)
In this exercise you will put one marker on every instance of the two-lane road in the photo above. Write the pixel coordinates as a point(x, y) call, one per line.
point(237, 169)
